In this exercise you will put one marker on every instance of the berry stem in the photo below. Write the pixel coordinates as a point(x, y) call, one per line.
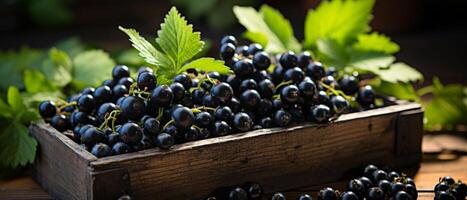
point(66, 104)
point(283, 84)
point(168, 123)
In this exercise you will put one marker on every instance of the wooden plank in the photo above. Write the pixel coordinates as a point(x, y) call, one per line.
point(61, 166)
point(409, 134)
point(277, 158)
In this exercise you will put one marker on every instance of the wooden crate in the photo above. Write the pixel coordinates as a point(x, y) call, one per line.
point(277, 158)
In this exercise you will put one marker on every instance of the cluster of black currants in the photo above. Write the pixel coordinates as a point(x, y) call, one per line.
point(245, 191)
point(449, 189)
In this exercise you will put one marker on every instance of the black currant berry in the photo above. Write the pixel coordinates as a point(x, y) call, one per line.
point(133, 108)
point(249, 99)
point(356, 186)
point(164, 141)
point(210, 101)
point(162, 96)
point(349, 195)
point(242, 122)
point(113, 138)
point(204, 119)
point(375, 193)
point(119, 91)
point(264, 107)
point(340, 104)
point(401, 195)
point(315, 70)
point(261, 61)
point(131, 133)
point(304, 59)
point(366, 96)
point(183, 117)
point(393, 175)
point(254, 48)
point(60, 122)
point(126, 81)
point(282, 118)
point(79, 118)
point(320, 113)
point(191, 134)
point(248, 84)
point(109, 83)
point(379, 175)
point(184, 79)
point(178, 91)
point(152, 126)
point(197, 96)
point(92, 136)
point(396, 187)
point(223, 113)
point(235, 105)
point(266, 122)
point(146, 81)
point(238, 193)
point(278, 196)
point(86, 103)
point(227, 51)
point(411, 190)
point(244, 68)
point(288, 60)
point(449, 180)
point(242, 50)
point(369, 169)
point(229, 39)
point(349, 84)
point(102, 94)
point(222, 92)
point(441, 186)
point(266, 88)
point(120, 148)
point(47, 109)
point(120, 71)
point(204, 133)
point(143, 69)
point(101, 150)
point(88, 90)
point(221, 128)
point(104, 110)
point(385, 185)
point(290, 95)
point(307, 89)
point(327, 194)
point(295, 74)
point(366, 182)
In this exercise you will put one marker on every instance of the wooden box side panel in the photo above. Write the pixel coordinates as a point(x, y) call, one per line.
point(409, 137)
point(61, 166)
point(290, 158)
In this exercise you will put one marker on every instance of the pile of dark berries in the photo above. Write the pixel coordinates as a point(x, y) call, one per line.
point(449, 189)
point(130, 113)
point(375, 184)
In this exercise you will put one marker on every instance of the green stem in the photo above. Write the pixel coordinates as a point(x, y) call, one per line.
point(282, 84)
point(160, 113)
point(425, 90)
point(168, 123)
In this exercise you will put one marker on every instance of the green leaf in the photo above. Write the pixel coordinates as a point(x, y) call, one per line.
point(399, 90)
point(35, 81)
point(130, 57)
point(375, 42)
point(177, 39)
point(370, 61)
point(5, 110)
point(331, 53)
point(28, 116)
point(257, 37)
point(71, 46)
point(146, 49)
point(58, 68)
point(254, 23)
point(91, 68)
point(17, 148)
point(32, 100)
point(207, 64)
point(281, 27)
point(341, 20)
point(400, 72)
point(14, 100)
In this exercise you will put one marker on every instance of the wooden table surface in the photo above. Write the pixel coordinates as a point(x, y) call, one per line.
point(443, 155)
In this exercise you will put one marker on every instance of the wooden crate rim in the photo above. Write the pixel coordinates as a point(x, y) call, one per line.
point(95, 162)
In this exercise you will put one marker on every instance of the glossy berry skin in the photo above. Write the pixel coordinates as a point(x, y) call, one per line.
point(248, 84)
point(349, 84)
point(197, 96)
point(366, 182)
point(297, 114)
point(164, 141)
point(304, 197)
point(242, 50)
point(88, 90)
point(221, 128)
point(77, 118)
point(131, 133)
point(261, 61)
point(375, 193)
point(223, 113)
point(327, 194)
point(227, 51)
point(254, 48)
point(47, 109)
point(210, 101)
point(191, 134)
point(266, 88)
point(260, 75)
point(366, 95)
point(120, 71)
point(357, 187)
point(290, 95)
point(295, 74)
point(101, 150)
point(264, 108)
point(393, 175)
point(152, 126)
point(411, 190)
point(102, 94)
point(320, 113)
point(92, 136)
point(204, 133)
point(242, 122)
point(266, 122)
point(441, 186)
point(379, 175)
point(145, 69)
point(204, 119)
point(178, 91)
point(229, 39)
point(315, 70)
point(104, 110)
point(369, 169)
point(184, 79)
point(235, 105)
point(349, 195)
point(449, 180)
point(330, 81)
point(162, 96)
point(307, 89)
point(133, 108)
point(109, 83)
point(113, 138)
point(119, 91)
point(282, 118)
point(249, 99)
point(277, 74)
point(278, 196)
point(183, 117)
point(244, 68)
point(288, 60)
point(126, 81)
point(60, 122)
point(120, 148)
point(146, 81)
point(385, 185)
point(222, 92)
point(86, 103)
point(396, 187)
point(401, 195)
point(304, 59)
point(444, 195)
point(254, 190)
point(238, 193)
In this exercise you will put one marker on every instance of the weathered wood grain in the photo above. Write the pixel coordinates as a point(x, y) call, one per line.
point(61, 166)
